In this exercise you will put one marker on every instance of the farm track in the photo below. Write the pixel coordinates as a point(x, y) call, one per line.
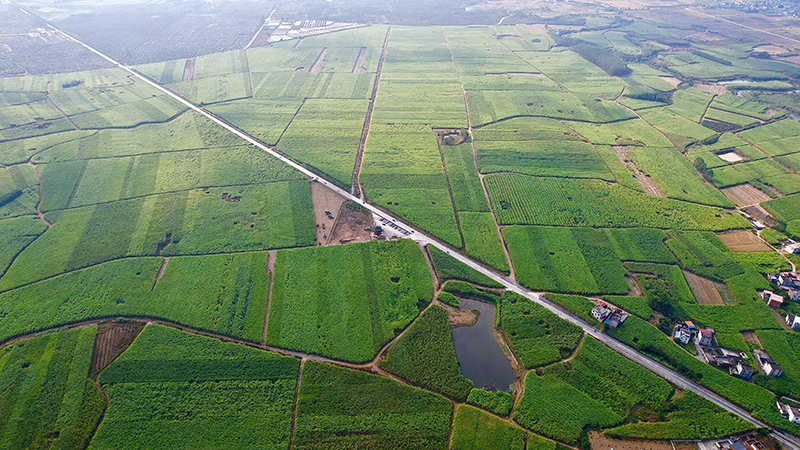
point(249, 73)
point(39, 213)
point(662, 371)
point(511, 272)
point(355, 183)
point(160, 272)
point(296, 401)
point(47, 95)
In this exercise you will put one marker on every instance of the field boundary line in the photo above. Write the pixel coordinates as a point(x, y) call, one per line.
point(488, 199)
point(355, 183)
point(452, 197)
point(540, 116)
point(250, 72)
point(296, 402)
point(419, 235)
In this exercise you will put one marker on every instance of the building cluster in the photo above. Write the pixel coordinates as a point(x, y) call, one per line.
point(609, 314)
point(713, 354)
point(746, 442)
point(786, 281)
point(766, 364)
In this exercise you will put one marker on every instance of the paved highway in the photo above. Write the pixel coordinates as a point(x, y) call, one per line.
point(788, 440)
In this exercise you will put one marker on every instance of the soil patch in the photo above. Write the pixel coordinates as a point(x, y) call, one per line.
point(111, 340)
point(713, 88)
point(462, 317)
point(353, 225)
point(752, 337)
point(319, 62)
point(647, 184)
point(743, 241)
point(326, 205)
point(516, 29)
point(261, 39)
point(160, 272)
point(730, 157)
point(358, 67)
point(672, 80)
point(635, 290)
point(704, 290)
point(188, 69)
point(538, 28)
point(602, 442)
point(745, 195)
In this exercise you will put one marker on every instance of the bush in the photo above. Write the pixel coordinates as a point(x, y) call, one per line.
point(499, 402)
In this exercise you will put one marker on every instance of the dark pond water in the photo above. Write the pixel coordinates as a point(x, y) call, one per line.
point(482, 360)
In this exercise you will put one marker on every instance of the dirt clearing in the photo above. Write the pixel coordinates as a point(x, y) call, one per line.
point(516, 29)
point(745, 195)
point(111, 340)
point(601, 442)
point(713, 88)
point(752, 337)
point(648, 185)
point(538, 28)
point(672, 80)
point(188, 69)
point(704, 290)
point(743, 241)
point(326, 205)
point(353, 225)
point(317, 67)
point(358, 67)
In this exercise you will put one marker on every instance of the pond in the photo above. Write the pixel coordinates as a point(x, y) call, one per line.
point(478, 352)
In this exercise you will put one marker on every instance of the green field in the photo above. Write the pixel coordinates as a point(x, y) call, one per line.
point(538, 336)
point(498, 402)
point(557, 410)
point(474, 429)
point(220, 293)
point(521, 199)
point(358, 296)
point(448, 268)
point(171, 388)
point(47, 399)
point(560, 259)
point(345, 408)
point(424, 356)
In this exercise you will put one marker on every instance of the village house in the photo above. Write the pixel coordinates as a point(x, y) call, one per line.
point(786, 280)
point(793, 321)
point(794, 295)
point(773, 300)
point(790, 412)
point(766, 364)
point(683, 334)
point(605, 313)
point(704, 337)
point(741, 370)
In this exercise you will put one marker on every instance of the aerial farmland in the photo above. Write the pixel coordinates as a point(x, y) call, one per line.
point(411, 225)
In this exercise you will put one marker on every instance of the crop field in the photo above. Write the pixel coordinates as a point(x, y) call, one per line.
point(220, 293)
point(640, 244)
point(561, 259)
point(545, 158)
point(692, 417)
point(558, 410)
point(359, 296)
point(498, 402)
point(661, 278)
point(47, 397)
point(704, 254)
point(424, 355)
point(521, 199)
point(611, 379)
point(340, 407)
point(539, 337)
point(473, 429)
point(15, 236)
point(171, 388)
point(272, 215)
point(325, 135)
point(481, 239)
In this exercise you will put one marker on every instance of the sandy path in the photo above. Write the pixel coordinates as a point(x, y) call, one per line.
point(160, 272)
point(324, 200)
point(39, 213)
point(271, 255)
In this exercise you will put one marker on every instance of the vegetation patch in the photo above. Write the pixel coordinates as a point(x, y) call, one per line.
point(498, 402)
point(340, 407)
point(424, 355)
point(473, 429)
point(346, 301)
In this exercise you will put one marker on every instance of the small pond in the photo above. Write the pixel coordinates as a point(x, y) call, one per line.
point(479, 354)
